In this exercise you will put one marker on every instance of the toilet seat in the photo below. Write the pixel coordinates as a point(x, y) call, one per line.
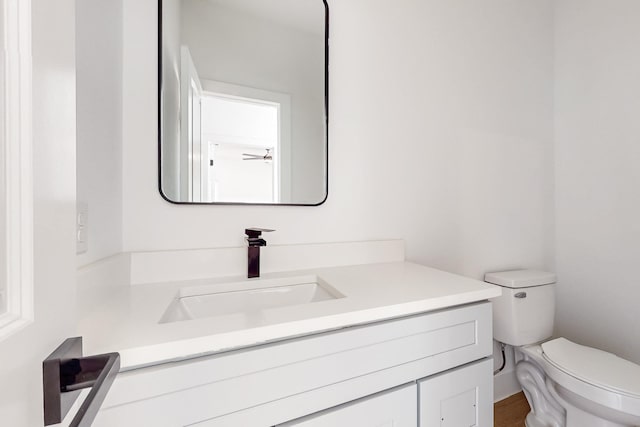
point(598, 376)
point(593, 366)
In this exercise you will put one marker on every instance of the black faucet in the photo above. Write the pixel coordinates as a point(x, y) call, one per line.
point(255, 241)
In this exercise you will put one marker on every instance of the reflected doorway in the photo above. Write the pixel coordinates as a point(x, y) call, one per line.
point(242, 139)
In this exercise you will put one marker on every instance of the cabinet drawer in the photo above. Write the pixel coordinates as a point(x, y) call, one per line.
point(459, 397)
point(393, 408)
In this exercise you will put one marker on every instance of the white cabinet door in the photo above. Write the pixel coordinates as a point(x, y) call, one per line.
point(393, 408)
point(462, 397)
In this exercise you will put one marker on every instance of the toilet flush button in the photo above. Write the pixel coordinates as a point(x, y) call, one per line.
point(521, 295)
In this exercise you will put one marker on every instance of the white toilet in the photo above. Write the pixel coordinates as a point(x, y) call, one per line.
point(566, 384)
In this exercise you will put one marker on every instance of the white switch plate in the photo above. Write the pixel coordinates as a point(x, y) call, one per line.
point(82, 227)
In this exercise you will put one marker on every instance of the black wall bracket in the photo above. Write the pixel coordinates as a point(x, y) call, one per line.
point(65, 373)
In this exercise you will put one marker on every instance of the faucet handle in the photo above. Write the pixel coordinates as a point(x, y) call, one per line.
point(255, 232)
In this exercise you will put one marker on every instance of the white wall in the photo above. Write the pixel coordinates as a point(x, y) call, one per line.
point(232, 46)
point(597, 173)
point(3, 204)
point(442, 118)
point(3, 171)
point(99, 123)
point(438, 135)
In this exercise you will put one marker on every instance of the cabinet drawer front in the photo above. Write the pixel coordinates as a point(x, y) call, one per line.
point(460, 397)
point(393, 408)
point(214, 386)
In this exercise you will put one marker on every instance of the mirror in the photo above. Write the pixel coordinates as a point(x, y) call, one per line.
point(243, 90)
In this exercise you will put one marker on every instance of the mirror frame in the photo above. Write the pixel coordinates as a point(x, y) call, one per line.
point(326, 120)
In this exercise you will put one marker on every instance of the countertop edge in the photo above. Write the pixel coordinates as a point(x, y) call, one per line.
point(190, 348)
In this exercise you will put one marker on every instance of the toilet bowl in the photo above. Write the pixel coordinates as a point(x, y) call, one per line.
point(566, 384)
point(589, 387)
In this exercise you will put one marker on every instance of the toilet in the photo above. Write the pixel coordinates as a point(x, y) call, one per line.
point(566, 384)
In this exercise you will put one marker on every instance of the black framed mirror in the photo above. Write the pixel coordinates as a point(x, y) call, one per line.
point(243, 101)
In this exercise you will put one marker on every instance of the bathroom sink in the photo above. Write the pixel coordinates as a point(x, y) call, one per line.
point(246, 297)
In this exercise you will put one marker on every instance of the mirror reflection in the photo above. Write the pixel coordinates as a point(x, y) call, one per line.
point(243, 101)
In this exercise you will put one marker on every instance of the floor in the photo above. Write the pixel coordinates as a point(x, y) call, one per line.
point(511, 411)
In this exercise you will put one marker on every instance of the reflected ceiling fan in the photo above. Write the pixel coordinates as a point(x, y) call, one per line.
point(267, 156)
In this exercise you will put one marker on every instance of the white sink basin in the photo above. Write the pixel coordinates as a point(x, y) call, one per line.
point(247, 296)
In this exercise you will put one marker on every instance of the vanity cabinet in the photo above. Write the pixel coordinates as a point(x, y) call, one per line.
point(390, 372)
point(456, 398)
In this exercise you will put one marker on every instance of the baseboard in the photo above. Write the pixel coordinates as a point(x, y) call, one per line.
point(505, 384)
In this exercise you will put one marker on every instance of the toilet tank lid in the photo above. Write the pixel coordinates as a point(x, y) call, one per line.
point(520, 278)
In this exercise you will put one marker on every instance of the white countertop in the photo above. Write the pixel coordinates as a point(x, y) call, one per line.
point(127, 320)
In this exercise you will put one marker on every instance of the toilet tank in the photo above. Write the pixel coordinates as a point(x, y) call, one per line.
point(525, 311)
